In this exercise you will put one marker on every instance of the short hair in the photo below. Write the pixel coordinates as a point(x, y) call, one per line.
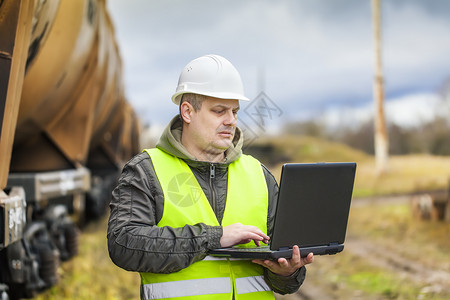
point(195, 100)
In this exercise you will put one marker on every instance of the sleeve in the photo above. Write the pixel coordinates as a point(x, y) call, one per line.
point(135, 243)
point(279, 284)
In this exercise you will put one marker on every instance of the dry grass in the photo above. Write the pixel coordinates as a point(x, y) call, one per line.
point(391, 235)
point(306, 149)
point(406, 174)
point(92, 274)
point(394, 227)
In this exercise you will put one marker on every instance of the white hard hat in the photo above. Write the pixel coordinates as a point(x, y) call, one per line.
point(210, 75)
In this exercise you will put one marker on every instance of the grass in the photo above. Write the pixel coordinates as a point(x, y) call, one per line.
point(393, 228)
point(92, 274)
point(406, 174)
point(352, 276)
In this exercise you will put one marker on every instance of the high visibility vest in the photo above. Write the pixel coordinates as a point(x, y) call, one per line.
point(186, 203)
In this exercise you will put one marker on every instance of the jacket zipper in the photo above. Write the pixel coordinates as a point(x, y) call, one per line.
point(212, 175)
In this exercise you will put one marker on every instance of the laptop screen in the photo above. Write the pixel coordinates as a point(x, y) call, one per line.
point(314, 203)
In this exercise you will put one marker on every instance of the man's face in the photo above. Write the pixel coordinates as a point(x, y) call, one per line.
point(214, 124)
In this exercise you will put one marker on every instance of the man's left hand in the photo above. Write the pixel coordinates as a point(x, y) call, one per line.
point(286, 267)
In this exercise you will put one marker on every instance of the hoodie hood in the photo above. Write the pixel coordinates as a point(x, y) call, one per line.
point(170, 141)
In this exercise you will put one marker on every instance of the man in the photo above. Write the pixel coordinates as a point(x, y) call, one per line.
point(194, 192)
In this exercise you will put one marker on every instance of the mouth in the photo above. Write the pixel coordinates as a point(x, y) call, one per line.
point(226, 134)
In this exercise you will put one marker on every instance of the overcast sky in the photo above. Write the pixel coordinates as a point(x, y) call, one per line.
point(312, 58)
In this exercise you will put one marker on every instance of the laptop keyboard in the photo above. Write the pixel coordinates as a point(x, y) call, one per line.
point(255, 249)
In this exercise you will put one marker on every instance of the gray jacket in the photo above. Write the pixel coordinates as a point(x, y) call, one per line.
point(135, 243)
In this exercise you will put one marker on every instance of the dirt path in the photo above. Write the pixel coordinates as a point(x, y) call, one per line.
point(308, 291)
point(435, 279)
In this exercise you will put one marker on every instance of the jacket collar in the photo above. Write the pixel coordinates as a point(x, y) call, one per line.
point(170, 141)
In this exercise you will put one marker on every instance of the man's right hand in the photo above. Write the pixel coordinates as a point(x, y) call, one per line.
point(241, 234)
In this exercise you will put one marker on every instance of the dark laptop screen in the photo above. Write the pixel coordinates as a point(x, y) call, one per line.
point(322, 194)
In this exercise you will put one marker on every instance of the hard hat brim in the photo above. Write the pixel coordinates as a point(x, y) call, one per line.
point(176, 98)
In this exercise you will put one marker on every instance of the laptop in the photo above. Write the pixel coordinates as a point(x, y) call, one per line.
point(312, 212)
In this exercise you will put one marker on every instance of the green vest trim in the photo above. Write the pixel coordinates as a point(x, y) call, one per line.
point(185, 203)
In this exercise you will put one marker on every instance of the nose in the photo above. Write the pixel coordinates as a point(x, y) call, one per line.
point(231, 118)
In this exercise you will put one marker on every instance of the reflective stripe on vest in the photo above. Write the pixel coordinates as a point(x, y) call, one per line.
point(186, 288)
point(185, 203)
point(204, 286)
point(251, 284)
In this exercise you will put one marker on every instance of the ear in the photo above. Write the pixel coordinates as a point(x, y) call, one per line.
point(186, 110)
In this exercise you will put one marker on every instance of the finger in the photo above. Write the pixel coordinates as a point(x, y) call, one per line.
point(266, 240)
point(283, 262)
point(265, 263)
point(310, 258)
point(269, 264)
point(296, 254)
point(245, 241)
point(258, 261)
point(258, 231)
point(262, 241)
point(253, 236)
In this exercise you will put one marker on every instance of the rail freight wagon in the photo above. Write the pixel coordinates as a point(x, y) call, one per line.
point(66, 130)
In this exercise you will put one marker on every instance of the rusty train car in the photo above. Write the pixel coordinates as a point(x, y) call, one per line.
point(66, 131)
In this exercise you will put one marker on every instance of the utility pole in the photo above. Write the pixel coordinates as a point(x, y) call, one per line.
point(381, 136)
